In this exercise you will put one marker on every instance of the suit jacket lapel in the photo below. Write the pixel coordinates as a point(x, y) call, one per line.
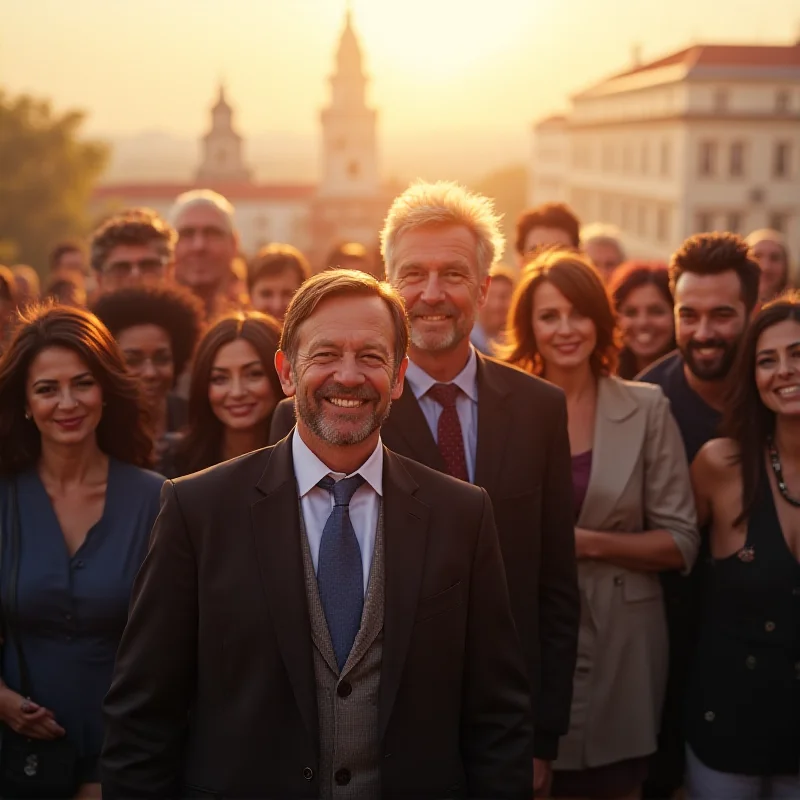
point(407, 424)
point(276, 530)
point(493, 423)
point(405, 535)
point(618, 436)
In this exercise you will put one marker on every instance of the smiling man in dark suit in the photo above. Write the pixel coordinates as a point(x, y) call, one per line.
point(487, 423)
point(323, 618)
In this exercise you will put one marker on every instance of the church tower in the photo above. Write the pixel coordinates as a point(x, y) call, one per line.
point(349, 151)
point(222, 148)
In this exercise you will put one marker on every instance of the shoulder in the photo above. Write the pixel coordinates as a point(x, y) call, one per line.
point(436, 487)
point(207, 484)
point(648, 395)
point(716, 464)
point(521, 382)
point(138, 479)
point(662, 370)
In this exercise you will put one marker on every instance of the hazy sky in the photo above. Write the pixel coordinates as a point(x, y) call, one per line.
point(436, 65)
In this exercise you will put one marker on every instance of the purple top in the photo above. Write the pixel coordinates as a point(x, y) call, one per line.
point(581, 468)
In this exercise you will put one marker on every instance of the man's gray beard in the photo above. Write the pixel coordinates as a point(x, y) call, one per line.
point(324, 429)
point(446, 341)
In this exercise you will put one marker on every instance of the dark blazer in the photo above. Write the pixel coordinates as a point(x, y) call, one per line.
point(214, 690)
point(523, 462)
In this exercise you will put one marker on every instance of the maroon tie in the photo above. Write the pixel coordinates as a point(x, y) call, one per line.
point(450, 438)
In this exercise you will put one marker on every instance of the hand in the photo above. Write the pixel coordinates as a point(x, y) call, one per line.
point(542, 777)
point(583, 542)
point(28, 718)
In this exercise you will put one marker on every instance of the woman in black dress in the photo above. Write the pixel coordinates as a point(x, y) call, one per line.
point(743, 724)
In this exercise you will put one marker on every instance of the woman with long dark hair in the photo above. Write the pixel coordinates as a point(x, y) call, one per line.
point(743, 728)
point(643, 303)
point(634, 518)
point(76, 512)
point(233, 392)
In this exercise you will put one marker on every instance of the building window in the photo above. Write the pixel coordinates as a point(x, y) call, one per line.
point(782, 99)
point(781, 166)
point(644, 160)
point(641, 220)
point(626, 215)
point(662, 224)
point(737, 160)
point(707, 164)
point(627, 159)
point(779, 221)
point(704, 222)
point(666, 159)
point(734, 222)
point(721, 100)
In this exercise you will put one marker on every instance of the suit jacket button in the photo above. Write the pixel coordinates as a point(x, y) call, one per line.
point(308, 773)
point(344, 689)
point(342, 777)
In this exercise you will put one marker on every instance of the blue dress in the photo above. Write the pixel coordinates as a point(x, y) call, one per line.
point(72, 611)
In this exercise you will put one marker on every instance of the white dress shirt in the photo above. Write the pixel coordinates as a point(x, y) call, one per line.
point(466, 404)
point(317, 504)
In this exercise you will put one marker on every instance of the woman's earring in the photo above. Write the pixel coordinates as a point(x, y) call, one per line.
point(27, 415)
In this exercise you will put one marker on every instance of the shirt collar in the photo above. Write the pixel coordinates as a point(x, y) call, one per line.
point(309, 470)
point(466, 380)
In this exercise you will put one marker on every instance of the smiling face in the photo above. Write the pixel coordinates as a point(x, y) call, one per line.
point(435, 270)
point(646, 322)
point(148, 354)
point(565, 338)
point(239, 390)
point(343, 376)
point(62, 397)
point(777, 368)
point(710, 319)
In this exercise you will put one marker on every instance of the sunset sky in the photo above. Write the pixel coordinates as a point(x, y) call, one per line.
point(437, 66)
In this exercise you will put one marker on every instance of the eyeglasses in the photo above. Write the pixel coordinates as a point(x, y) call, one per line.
point(145, 266)
point(210, 232)
point(136, 360)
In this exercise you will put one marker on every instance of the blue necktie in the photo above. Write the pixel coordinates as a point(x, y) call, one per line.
point(340, 575)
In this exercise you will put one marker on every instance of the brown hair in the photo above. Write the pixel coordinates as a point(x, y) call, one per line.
point(275, 259)
point(135, 226)
point(579, 281)
point(202, 445)
point(548, 215)
point(62, 248)
point(713, 254)
point(335, 283)
point(122, 432)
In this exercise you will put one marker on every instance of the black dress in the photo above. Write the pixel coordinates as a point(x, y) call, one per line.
point(744, 696)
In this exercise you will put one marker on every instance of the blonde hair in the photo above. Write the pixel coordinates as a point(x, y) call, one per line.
point(444, 203)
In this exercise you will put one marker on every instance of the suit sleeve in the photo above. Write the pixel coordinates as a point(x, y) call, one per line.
point(496, 727)
point(559, 601)
point(282, 421)
point(154, 682)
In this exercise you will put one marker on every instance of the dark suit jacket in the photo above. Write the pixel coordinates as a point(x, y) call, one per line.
point(214, 688)
point(523, 462)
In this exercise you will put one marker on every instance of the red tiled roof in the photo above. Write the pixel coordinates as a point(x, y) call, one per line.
point(233, 191)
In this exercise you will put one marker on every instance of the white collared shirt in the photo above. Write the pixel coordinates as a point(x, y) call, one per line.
point(317, 504)
point(466, 404)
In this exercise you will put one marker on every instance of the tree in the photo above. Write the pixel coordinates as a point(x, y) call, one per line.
point(47, 174)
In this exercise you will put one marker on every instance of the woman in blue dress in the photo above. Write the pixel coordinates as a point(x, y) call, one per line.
point(73, 441)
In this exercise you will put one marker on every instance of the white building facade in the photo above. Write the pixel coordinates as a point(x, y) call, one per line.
point(705, 139)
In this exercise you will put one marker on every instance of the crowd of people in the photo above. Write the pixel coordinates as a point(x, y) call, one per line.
point(573, 571)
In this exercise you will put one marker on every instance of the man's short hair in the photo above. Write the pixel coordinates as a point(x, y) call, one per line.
point(204, 198)
point(62, 248)
point(444, 203)
point(274, 259)
point(714, 253)
point(135, 226)
point(548, 215)
point(603, 233)
point(500, 272)
point(343, 283)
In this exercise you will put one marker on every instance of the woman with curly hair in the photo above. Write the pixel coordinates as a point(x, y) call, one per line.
point(76, 509)
point(157, 328)
point(233, 392)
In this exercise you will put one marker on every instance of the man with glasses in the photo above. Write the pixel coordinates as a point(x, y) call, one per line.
point(133, 248)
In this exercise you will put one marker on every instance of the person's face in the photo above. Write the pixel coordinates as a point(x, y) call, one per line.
point(133, 265)
point(239, 390)
point(344, 376)
point(436, 271)
point(540, 237)
point(646, 322)
point(777, 368)
point(205, 248)
point(494, 313)
point(148, 354)
point(772, 260)
point(605, 256)
point(71, 265)
point(710, 318)
point(62, 397)
point(272, 294)
point(565, 338)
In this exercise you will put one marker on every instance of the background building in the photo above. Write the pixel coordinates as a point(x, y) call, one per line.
point(707, 138)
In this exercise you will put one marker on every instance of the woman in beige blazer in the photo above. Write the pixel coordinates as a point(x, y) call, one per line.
point(635, 517)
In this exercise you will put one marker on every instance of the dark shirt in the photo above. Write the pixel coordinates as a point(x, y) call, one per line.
point(71, 611)
point(698, 422)
point(581, 470)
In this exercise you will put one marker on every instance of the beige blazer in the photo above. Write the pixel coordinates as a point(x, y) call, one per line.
point(639, 481)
